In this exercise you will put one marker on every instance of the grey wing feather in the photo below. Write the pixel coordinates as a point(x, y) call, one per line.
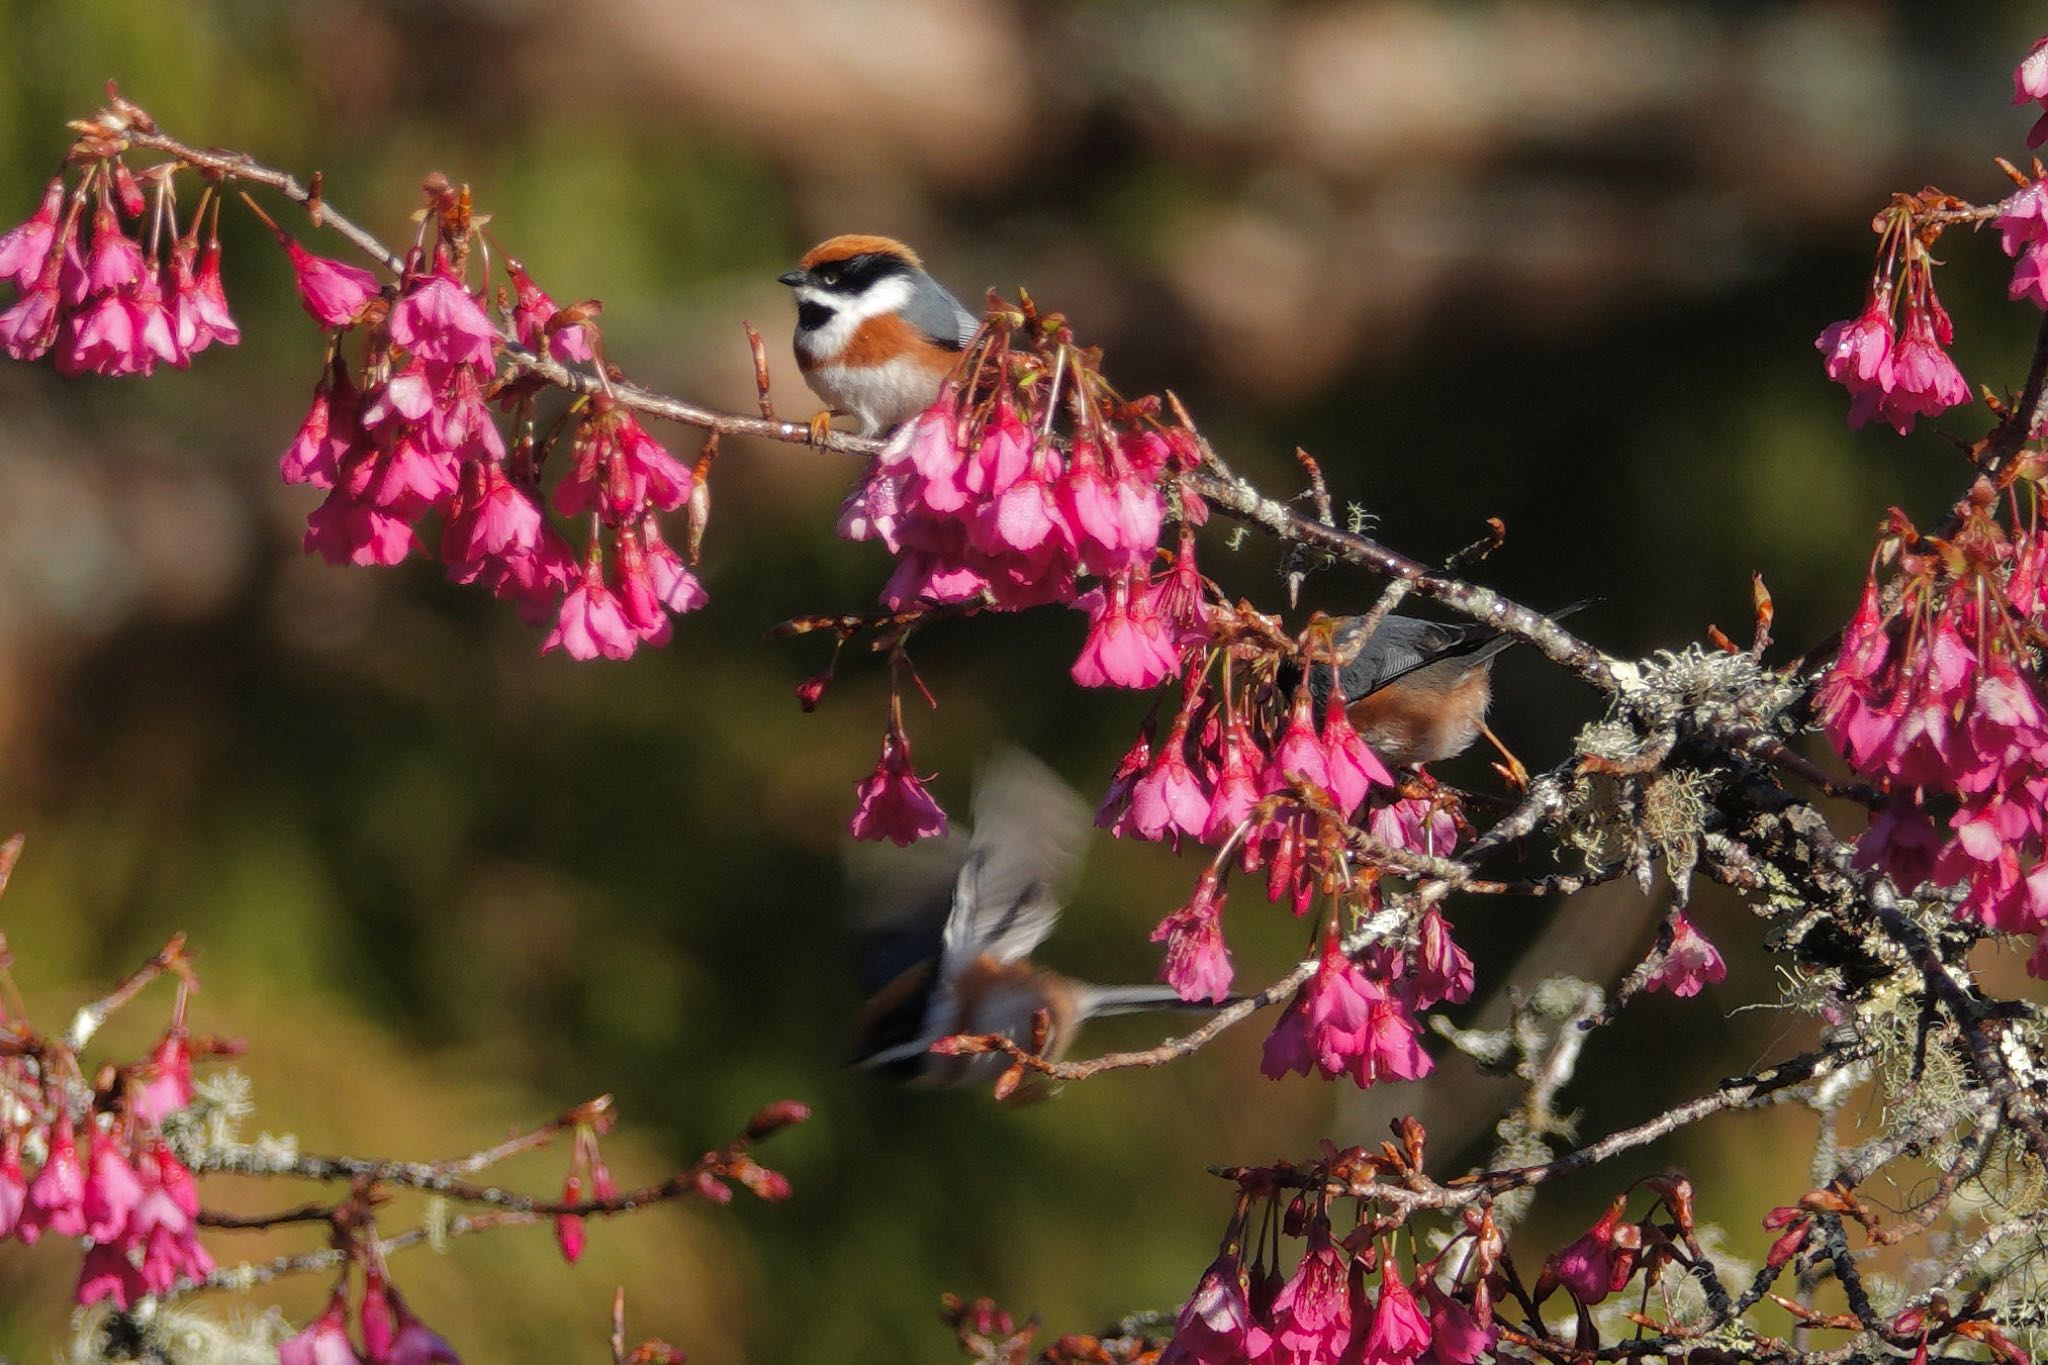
point(940, 316)
point(1029, 828)
point(1403, 644)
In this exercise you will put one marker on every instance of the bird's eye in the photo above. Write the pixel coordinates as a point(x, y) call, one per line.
point(828, 278)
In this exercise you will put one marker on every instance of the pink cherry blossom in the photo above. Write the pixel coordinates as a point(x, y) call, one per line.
point(591, 622)
point(1858, 355)
point(13, 1185)
point(1439, 970)
point(437, 319)
point(1689, 964)
point(1398, 1331)
point(532, 310)
point(1925, 382)
point(2030, 77)
point(1215, 1325)
point(26, 247)
point(1197, 963)
point(1167, 801)
point(108, 1273)
point(1588, 1266)
point(29, 328)
point(1128, 644)
point(56, 1196)
point(111, 1189)
point(324, 1341)
point(1236, 785)
point(1455, 1336)
point(893, 802)
point(1354, 769)
point(334, 292)
point(115, 259)
point(1312, 1313)
point(1299, 755)
point(342, 530)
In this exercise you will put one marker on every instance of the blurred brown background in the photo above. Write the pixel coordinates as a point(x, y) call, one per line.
point(1558, 263)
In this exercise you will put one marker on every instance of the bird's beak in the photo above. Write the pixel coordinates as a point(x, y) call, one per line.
point(792, 278)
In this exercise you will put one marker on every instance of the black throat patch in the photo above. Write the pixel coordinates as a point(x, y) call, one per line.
point(811, 316)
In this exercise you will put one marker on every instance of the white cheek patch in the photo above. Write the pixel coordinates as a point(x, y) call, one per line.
point(829, 338)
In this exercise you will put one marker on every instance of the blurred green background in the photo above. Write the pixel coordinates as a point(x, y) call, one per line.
point(1557, 263)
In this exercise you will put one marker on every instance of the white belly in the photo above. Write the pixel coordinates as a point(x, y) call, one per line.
point(879, 395)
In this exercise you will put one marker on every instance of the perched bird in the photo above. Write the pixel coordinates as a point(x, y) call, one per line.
point(1417, 690)
point(945, 942)
point(875, 335)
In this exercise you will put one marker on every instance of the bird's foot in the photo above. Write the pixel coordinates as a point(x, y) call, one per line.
point(821, 427)
point(1511, 772)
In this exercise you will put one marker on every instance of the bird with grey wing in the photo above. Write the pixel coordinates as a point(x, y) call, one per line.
point(945, 936)
point(1417, 690)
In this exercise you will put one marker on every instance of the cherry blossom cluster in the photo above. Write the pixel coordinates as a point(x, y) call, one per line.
point(1936, 697)
point(105, 301)
point(403, 433)
point(1890, 357)
point(407, 431)
point(1027, 473)
point(1348, 1297)
point(91, 1162)
point(392, 1334)
point(1256, 764)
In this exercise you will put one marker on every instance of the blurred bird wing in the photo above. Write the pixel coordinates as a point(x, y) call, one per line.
point(902, 898)
point(1029, 828)
point(940, 316)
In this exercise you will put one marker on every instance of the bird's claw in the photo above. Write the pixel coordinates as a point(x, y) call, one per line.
point(821, 427)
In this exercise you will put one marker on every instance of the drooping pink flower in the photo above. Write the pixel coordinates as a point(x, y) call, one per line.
point(342, 530)
point(324, 1340)
point(1128, 644)
point(1901, 842)
point(1312, 1313)
point(1858, 355)
point(115, 259)
point(1440, 971)
point(1324, 1025)
point(1398, 1331)
point(1236, 785)
point(56, 1196)
point(416, 1343)
point(674, 585)
point(440, 321)
point(1197, 963)
point(893, 802)
point(333, 292)
point(1167, 801)
point(492, 518)
point(111, 1189)
point(1299, 755)
point(532, 310)
point(13, 1184)
point(2030, 77)
point(1689, 964)
point(1455, 1336)
point(1416, 824)
point(211, 304)
point(1588, 1266)
point(29, 328)
point(378, 1317)
point(1925, 382)
point(26, 247)
point(591, 622)
point(1215, 1325)
point(1354, 768)
point(108, 1273)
